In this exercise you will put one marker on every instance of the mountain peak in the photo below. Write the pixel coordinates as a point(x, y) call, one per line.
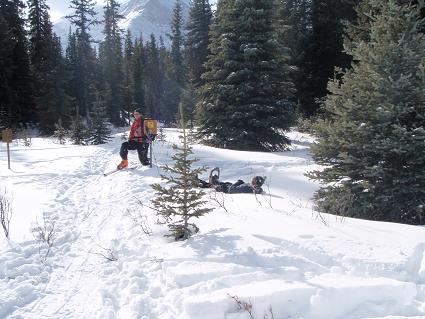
point(141, 17)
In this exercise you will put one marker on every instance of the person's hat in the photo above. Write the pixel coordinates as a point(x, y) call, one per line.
point(258, 181)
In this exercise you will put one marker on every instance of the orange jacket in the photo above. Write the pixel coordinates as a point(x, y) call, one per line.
point(137, 130)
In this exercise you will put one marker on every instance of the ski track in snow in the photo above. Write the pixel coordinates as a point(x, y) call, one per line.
point(271, 250)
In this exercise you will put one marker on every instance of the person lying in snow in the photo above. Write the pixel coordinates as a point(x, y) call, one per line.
point(233, 188)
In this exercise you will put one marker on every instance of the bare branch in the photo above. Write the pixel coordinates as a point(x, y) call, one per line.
point(107, 253)
point(140, 220)
point(218, 199)
point(6, 213)
point(243, 305)
point(45, 235)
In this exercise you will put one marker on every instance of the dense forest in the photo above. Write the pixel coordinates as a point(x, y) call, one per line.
point(45, 81)
point(349, 71)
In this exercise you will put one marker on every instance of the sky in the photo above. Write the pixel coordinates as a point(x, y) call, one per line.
point(58, 8)
point(110, 258)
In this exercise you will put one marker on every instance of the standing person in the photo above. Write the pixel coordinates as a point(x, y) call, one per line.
point(137, 140)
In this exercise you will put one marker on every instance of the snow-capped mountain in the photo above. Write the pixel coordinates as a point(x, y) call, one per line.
point(141, 17)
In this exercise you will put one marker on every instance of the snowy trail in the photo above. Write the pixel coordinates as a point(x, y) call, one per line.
point(92, 209)
point(71, 210)
point(271, 250)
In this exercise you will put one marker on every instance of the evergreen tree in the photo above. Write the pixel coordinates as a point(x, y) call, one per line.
point(177, 41)
point(139, 77)
point(248, 96)
point(40, 33)
point(60, 132)
point(182, 201)
point(128, 80)
point(18, 103)
point(112, 60)
point(325, 51)
point(100, 133)
point(197, 40)
point(176, 71)
point(166, 82)
point(196, 53)
point(373, 146)
point(83, 19)
point(72, 80)
point(188, 103)
point(6, 97)
point(78, 130)
point(294, 25)
point(47, 65)
point(61, 102)
point(153, 80)
point(360, 28)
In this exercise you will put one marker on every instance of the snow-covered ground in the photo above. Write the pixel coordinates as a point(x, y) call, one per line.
point(110, 258)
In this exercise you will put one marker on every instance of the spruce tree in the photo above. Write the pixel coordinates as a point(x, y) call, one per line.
point(325, 51)
point(247, 100)
point(359, 29)
point(196, 53)
point(128, 81)
point(72, 80)
point(153, 80)
point(100, 133)
point(175, 69)
point(60, 132)
point(373, 146)
point(188, 103)
point(294, 27)
point(197, 40)
point(112, 60)
point(57, 80)
point(83, 19)
point(47, 66)
point(6, 97)
point(139, 77)
point(78, 130)
point(177, 40)
point(19, 89)
point(167, 85)
point(182, 200)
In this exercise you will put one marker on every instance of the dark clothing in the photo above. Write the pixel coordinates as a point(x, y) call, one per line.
point(241, 187)
point(236, 188)
point(142, 150)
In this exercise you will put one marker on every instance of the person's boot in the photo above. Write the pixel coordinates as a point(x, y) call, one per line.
point(123, 164)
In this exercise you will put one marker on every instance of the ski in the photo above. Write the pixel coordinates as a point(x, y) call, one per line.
point(123, 169)
point(111, 172)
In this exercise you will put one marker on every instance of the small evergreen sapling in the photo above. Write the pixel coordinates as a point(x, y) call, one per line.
point(3, 118)
point(161, 134)
point(60, 132)
point(100, 133)
point(180, 201)
point(78, 131)
point(26, 137)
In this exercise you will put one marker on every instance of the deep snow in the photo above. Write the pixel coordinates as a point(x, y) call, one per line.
point(272, 251)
